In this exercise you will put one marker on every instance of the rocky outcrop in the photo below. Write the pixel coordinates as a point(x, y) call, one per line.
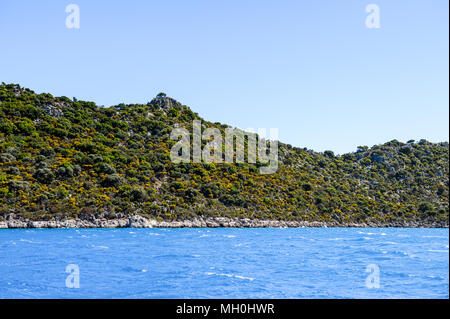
point(53, 111)
point(165, 103)
point(214, 222)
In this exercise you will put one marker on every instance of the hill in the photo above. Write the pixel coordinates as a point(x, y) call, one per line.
point(62, 158)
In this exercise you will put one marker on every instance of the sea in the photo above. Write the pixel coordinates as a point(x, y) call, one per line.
point(196, 263)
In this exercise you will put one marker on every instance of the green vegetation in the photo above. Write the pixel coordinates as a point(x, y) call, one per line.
point(62, 157)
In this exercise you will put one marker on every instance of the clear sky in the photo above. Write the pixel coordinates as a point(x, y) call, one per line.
point(312, 69)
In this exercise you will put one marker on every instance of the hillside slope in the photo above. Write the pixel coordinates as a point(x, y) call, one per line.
point(63, 158)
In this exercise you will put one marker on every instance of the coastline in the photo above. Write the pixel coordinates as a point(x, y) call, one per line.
point(211, 222)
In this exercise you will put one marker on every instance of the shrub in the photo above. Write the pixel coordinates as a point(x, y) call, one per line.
point(87, 147)
point(158, 167)
point(44, 175)
point(13, 150)
point(190, 194)
point(42, 165)
point(18, 185)
point(65, 172)
point(62, 192)
point(104, 168)
point(113, 180)
point(76, 170)
point(26, 126)
point(210, 190)
point(13, 171)
point(7, 127)
point(329, 154)
point(95, 158)
point(40, 158)
point(230, 200)
point(426, 207)
point(42, 198)
point(7, 158)
point(138, 194)
point(47, 152)
point(405, 150)
point(177, 185)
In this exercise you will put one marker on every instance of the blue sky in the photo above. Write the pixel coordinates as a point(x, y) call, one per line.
point(312, 69)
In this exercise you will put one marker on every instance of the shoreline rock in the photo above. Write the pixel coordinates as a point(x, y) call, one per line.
point(211, 222)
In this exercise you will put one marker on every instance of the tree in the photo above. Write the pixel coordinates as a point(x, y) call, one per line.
point(329, 154)
point(362, 149)
point(161, 94)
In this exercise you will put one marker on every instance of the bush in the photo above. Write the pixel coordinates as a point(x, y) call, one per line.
point(329, 154)
point(62, 192)
point(42, 165)
point(405, 150)
point(104, 168)
point(47, 152)
point(44, 175)
point(7, 158)
point(113, 180)
point(76, 170)
point(138, 194)
point(40, 158)
point(18, 185)
point(210, 190)
point(65, 172)
point(177, 185)
point(87, 147)
point(230, 200)
point(190, 194)
point(13, 150)
point(158, 167)
point(95, 158)
point(26, 126)
point(7, 127)
point(425, 207)
point(13, 171)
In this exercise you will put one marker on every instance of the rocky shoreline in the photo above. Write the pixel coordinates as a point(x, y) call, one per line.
point(213, 222)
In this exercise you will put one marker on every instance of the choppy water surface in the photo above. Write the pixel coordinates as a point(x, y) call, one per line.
point(225, 263)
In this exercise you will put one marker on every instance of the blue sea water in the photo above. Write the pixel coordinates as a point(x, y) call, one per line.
point(225, 263)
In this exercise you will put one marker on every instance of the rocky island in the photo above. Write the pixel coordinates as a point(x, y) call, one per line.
point(70, 163)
